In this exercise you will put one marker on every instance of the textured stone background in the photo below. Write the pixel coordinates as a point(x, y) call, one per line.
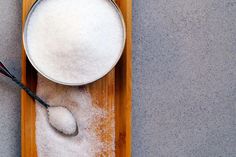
point(10, 54)
point(184, 78)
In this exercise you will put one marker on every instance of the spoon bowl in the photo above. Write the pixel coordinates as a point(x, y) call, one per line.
point(63, 120)
point(66, 135)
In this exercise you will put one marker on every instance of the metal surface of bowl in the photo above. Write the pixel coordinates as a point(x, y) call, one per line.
point(25, 44)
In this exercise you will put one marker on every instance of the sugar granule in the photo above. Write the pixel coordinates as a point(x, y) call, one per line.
point(88, 116)
point(62, 119)
point(75, 41)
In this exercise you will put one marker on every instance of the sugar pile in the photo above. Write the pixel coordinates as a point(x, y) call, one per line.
point(74, 41)
point(88, 117)
point(62, 119)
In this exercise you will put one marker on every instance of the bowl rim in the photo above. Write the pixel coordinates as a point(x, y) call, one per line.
point(24, 39)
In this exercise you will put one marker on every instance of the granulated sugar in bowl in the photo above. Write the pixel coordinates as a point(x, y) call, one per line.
point(74, 42)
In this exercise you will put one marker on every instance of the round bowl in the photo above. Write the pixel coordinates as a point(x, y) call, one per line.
point(25, 44)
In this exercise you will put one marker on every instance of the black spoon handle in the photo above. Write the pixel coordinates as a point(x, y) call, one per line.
point(5, 72)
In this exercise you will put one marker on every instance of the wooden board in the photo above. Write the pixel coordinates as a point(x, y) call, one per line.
point(111, 92)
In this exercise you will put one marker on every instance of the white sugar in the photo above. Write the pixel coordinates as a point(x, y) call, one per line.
point(88, 116)
point(75, 41)
point(62, 119)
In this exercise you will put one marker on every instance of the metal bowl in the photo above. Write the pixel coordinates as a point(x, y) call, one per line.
point(25, 44)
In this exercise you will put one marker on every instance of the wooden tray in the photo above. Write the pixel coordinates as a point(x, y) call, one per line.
point(114, 90)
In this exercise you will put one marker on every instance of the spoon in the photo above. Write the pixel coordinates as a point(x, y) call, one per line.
point(56, 123)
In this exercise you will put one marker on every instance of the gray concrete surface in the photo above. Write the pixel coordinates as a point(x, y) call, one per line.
point(184, 78)
point(10, 54)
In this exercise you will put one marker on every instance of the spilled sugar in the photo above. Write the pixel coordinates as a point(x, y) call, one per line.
point(75, 41)
point(89, 118)
point(62, 119)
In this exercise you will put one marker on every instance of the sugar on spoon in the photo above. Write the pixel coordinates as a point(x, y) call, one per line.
point(60, 118)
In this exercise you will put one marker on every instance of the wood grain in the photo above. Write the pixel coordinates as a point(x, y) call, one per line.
point(29, 78)
point(112, 93)
point(123, 87)
point(103, 95)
